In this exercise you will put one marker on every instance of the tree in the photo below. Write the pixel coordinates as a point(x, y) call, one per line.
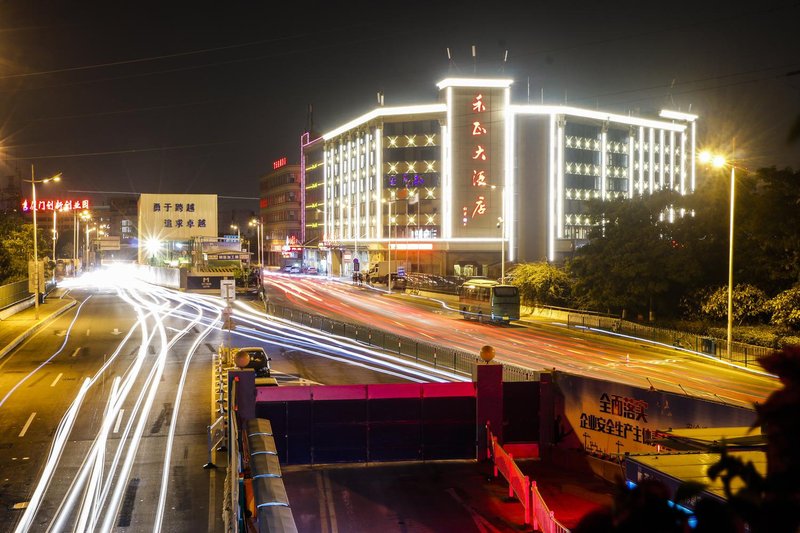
point(633, 261)
point(767, 239)
point(16, 242)
point(785, 308)
point(542, 283)
point(749, 303)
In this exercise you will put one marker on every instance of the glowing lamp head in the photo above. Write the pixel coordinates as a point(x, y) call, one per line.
point(152, 245)
point(718, 161)
point(704, 157)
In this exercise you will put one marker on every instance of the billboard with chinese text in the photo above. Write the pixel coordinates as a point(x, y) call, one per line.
point(613, 418)
point(173, 217)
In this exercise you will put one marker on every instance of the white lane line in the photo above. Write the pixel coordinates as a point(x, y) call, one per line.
point(27, 424)
point(78, 349)
point(87, 332)
point(119, 420)
point(53, 384)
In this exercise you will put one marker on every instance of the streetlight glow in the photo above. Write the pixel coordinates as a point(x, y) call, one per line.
point(33, 181)
point(719, 161)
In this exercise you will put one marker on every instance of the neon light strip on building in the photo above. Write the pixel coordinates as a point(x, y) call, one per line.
point(385, 112)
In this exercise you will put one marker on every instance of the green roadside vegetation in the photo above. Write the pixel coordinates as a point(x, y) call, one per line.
point(663, 260)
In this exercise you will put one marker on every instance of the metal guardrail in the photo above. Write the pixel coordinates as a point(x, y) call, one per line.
point(13, 293)
point(457, 361)
point(741, 353)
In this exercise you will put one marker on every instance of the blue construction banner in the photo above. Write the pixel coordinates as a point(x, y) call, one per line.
point(612, 418)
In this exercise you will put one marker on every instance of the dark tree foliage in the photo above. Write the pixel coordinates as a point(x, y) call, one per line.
point(634, 261)
point(767, 224)
point(636, 254)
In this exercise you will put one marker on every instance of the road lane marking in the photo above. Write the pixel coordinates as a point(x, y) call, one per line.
point(323, 508)
point(78, 349)
point(53, 384)
point(87, 332)
point(119, 420)
point(483, 525)
point(329, 500)
point(27, 424)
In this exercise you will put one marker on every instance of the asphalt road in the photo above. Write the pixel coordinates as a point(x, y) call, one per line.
point(106, 409)
point(104, 464)
point(532, 344)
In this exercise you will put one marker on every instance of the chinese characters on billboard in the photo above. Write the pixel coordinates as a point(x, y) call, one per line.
point(177, 216)
point(72, 204)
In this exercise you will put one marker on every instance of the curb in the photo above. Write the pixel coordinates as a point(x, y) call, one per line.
point(24, 336)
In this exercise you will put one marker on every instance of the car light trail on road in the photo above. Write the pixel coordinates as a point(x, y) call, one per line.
point(89, 496)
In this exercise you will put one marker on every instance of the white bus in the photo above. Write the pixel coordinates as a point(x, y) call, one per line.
point(488, 301)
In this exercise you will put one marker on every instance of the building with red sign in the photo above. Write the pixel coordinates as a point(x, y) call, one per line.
point(281, 214)
point(454, 186)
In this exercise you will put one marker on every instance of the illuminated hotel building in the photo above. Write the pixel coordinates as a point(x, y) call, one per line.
point(443, 186)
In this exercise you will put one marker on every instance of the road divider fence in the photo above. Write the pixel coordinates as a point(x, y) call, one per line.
point(456, 361)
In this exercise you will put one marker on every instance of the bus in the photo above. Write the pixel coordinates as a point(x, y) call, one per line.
point(488, 300)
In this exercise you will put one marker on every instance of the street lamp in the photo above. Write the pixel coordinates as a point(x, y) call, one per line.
point(86, 249)
point(33, 181)
point(718, 161)
point(257, 223)
point(501, 225)
point(86, 217)
point(238, 234)
point(389, 274)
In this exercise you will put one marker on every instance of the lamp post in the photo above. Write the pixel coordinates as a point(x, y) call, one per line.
point(238, 235)
point(257, 223)
point(501, 224)
point(389, 248)
point(86, 248)
point(718, 161)
point(86, 217)
point(33, 181)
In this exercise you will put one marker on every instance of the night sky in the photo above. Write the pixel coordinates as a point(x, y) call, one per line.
point(201, 98)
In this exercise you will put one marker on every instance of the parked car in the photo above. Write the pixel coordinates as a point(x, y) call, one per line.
point(253, 357)
point(295, 270)
point(311, 270)
point(287, 268)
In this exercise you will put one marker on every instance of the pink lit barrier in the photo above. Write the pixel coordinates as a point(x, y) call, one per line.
point(519, 485)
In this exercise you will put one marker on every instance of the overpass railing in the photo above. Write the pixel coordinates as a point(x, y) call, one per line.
point(456, 361)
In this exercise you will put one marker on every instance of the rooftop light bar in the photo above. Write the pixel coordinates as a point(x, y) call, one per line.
point(385, 112)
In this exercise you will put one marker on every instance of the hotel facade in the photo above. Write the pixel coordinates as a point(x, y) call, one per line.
point(458, 186)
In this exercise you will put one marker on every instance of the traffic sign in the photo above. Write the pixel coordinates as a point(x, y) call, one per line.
point(227, 289)
point(401, 271)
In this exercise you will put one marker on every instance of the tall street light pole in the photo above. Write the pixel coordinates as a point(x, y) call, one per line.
point(257, 223)
point(730, 264)
point(718, 161)
point(86, 217)
point(33, 181)
point(501, 224)
point(238, 235)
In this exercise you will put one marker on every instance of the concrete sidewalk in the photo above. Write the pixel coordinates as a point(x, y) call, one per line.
point(17, 328)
